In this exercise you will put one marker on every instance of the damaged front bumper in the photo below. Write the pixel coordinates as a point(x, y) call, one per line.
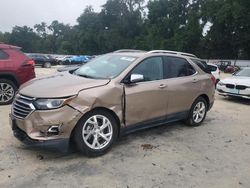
point(61, 145)
point(50, 129)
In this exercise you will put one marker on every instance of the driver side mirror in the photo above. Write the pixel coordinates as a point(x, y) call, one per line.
point(136, 78)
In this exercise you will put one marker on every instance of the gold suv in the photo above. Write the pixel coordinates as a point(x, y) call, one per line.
point(112, 95)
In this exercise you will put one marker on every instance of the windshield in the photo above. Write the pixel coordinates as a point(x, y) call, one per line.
point(106, 66)
point(244, 72)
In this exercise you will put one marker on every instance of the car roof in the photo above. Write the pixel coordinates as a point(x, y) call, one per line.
point(7, 46)
point(140, 53)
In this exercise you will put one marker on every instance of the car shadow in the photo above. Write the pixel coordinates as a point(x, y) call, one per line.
point(149, 133)
point(236, 100)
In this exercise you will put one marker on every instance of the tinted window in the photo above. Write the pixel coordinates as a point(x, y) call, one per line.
point(3, 55)
point(151, 69)
point(177, 67)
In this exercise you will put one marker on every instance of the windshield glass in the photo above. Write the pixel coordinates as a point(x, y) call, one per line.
point(244, 72)
point(106, 66)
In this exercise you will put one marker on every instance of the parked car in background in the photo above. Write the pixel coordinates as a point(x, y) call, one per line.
point(15, 69)
point(110, 96)
point(214, 69)
point(60, 60)
point(236, 86)
point(231, 69)
point(223, 65)
point(76, 60)
point(43, 60)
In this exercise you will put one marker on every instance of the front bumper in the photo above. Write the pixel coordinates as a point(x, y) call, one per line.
point(34, 130)
point(61, 145)
point(225, 93)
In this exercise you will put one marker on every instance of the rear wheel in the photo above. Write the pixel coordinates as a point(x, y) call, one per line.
point(95, 133)
point(198, 112)
point(7, 91)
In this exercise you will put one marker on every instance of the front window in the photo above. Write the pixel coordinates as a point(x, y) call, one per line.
point(244, 72)
point(151, 69)
point(105, 67)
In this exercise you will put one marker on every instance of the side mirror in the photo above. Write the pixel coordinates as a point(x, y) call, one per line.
point(136, 78)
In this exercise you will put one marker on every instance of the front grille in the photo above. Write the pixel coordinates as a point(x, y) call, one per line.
point(240, 87)
point(22, 106)
point(231, 86)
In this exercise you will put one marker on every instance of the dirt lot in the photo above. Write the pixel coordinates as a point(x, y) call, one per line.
point(216, 154)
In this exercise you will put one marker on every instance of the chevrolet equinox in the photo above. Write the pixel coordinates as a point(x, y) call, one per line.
point(112, 95)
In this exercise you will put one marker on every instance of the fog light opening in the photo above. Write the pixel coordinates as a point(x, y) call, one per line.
point(53, 130)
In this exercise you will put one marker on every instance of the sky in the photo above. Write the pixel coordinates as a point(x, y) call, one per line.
point(31, 12)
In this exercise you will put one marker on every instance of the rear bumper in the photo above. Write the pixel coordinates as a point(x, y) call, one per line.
point(61, 144)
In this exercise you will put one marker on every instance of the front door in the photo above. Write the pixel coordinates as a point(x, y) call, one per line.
point(146, 100)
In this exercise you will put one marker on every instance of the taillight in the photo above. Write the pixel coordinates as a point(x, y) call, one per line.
point(213, 79)
point(29, 62)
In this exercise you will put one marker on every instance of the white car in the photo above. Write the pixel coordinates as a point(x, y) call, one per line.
point(215, 71)
point(236, 86)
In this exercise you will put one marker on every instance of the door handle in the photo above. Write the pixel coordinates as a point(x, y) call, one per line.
point(162, 86)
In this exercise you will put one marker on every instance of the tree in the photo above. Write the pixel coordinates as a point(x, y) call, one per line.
point(24, 37)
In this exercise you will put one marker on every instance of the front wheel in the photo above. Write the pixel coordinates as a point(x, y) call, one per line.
point(95, 133)
point(197, 112)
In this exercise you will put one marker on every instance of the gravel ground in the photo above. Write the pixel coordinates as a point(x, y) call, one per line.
point(216, 154)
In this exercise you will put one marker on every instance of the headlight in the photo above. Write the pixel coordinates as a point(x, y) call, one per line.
point(221, 84)
point(48, 104)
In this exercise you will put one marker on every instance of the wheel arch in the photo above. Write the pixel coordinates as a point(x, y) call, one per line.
point(204, 96)
point(11, 77)
point(94, 109)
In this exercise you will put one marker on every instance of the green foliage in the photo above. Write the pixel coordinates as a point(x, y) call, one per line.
point(161, 24)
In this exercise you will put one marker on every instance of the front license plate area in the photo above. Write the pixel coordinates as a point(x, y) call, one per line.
point(234, 91)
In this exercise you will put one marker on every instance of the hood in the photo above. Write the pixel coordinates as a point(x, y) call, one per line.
point(237, 80)
point(59, 85)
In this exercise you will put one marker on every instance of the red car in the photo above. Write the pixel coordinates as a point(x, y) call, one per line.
point(15, 69)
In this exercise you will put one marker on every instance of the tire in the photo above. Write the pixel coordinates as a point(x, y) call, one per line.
point(197, 108)
point(47, 65)
point(88, 135)
point(7, 91)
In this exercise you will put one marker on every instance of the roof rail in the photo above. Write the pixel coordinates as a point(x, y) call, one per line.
point(128, 50)
point(171, 52)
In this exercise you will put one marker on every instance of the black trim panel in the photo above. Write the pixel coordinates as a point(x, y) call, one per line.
point(154, 122)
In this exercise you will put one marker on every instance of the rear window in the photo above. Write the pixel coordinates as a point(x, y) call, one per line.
point(3, 55)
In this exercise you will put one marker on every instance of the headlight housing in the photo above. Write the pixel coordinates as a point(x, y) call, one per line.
point(49, 104)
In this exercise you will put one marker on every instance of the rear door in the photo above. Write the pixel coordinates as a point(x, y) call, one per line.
point(183, 84)
point(146, 101)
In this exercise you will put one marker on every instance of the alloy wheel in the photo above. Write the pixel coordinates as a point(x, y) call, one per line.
point(97, 132)
point(6, 92)
point(199, 112)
